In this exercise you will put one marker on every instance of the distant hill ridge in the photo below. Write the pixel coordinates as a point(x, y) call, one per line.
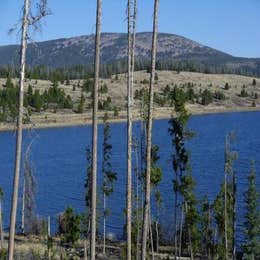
point(172, 48)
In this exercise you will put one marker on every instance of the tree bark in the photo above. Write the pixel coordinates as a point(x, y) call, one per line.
point(1, 228)
point(181, 228)
point(149, 133)
point(19, 133)
point(23, 208)
point(234, 214)
point(95, 132)
point(129, 135)
point(104, 224)
point(225, 200)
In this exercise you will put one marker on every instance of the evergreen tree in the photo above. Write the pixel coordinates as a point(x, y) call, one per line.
point(224, 204)
point(183, 183)
point(69, 226)
point(252, 219)
point(109, 176)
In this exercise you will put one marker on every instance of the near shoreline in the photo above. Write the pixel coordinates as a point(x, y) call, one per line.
point(69, 120)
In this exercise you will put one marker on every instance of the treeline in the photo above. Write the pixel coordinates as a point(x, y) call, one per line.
point(120, 66)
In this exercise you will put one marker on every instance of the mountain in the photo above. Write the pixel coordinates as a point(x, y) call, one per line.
point(171, 48)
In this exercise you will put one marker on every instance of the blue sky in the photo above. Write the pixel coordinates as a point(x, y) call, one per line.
point(228, 25)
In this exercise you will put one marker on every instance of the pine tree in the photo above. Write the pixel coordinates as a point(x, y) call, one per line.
point(252, 218)
point(109, 176)
point(224, 203)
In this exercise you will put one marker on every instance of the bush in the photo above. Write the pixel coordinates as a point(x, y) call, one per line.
point(243, 92)
point(206, 97)
point(219, 95)
point(227, 86)
point(69, 226)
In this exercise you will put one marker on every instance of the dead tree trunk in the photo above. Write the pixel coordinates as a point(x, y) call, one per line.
point(25, 24)
point(95, 132)
point(1, 228)
point(234, 214)
point(225, 199)
point(129, 134)
point(149, 133)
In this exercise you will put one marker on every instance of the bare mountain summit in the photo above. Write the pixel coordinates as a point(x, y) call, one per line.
point(79, 51)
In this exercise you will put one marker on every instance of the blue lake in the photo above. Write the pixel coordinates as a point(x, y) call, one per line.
point(59, 163)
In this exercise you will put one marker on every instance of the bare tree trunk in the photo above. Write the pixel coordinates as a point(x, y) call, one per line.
point(49, 227)
point(48, 237)
point(225, 217)
point(234, 214)
point(1, 228)
point(95, 132)
point(85, 250)
point(19, 130)
point(151, 235)
point(137, 202)
point(175, 219)
point(157, 237)
point(149, 133)
point(225, 201)
point(129, 137)
point(209, 222)
point(181, 224)
point(104, 225)
point(189, 234)
point(23, 207)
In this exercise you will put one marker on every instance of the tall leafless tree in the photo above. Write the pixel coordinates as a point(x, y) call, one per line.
point(129, 133)
point(25, 24)
point(149, 133)
point(95, 132)
point(132, 12)
point(28, 20)
point(1, 221)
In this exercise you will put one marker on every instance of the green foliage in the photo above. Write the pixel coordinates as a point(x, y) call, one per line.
point(219, 95)
point(207, 231)
point(109, 176)
point(156, 171)
point(69, 226)
point(81, 103)
point(252, 218)
point(243, 92)
point(144, 81)
point(206, 97)
point(103, 89)
point(37, 101)
point(116, 111)
point(106, 104)
point(68, 102)
point(183, 183)
point(88, 85)
point(219, 216)
point(1, 193)
point(227, 86)
point(219, 203)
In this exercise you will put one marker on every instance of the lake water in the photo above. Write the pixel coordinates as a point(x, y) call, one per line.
point(59, 163)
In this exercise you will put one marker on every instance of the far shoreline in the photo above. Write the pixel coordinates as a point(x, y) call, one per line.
point(84, 119)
